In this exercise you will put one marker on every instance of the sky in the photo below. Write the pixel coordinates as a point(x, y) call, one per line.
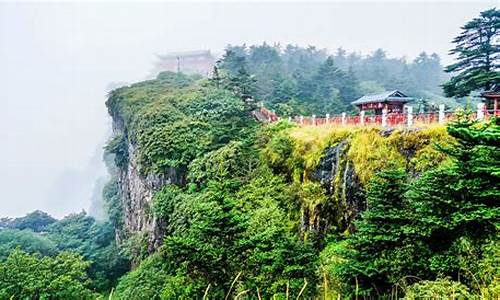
point(58, 59)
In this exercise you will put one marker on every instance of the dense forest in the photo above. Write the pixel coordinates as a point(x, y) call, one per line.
point(296, 80)
point(204, 202)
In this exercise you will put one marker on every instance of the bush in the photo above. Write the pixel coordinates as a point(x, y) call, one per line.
point(144, 282)
point(230, 162)
point(438, 289)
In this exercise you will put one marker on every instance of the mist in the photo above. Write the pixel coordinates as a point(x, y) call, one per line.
point(57, 61)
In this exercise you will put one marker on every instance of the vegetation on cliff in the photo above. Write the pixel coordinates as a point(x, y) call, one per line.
point(261, 211)
point(254, 217)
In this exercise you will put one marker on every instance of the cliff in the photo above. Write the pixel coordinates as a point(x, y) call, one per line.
point(175, 131)
point(333, 165)
point(159, 127)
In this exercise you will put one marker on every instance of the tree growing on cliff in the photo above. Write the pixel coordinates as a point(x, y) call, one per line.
point(380, 247)
point(458, 220)
point(439, 224)
point(478, 51)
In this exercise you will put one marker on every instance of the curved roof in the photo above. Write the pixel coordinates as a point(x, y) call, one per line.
point(493, 92)
point(388, 96)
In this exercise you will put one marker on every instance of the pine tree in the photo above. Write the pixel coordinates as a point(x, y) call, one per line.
point(236, 76)
point(216, 79)
point(380, 245)
point(243, 84)
point(438, 224)
point(478, 55)
point(232, 60)
point(466, 206)
point(327, 83)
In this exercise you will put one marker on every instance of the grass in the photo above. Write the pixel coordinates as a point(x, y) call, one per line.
point(367, 148)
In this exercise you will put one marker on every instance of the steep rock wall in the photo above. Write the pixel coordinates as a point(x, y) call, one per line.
point(136, 192)
point(336, 174)
point(341, 161)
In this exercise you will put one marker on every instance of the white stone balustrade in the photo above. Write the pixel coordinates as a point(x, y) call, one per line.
point(480, 111)
point(441, 114)
point(409, 117)
point(384, 117)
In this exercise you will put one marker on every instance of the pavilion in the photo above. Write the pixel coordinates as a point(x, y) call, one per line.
point(492, 99)
point(392, 101)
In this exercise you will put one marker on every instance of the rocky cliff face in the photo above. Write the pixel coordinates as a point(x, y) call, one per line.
point(345, 194)
point(336, 174)
point(331, 189)
point(136, 192)
point(413, 150)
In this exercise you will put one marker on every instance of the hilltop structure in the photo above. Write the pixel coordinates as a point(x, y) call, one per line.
point(392, 101)
point(190, 62)
point(492, 99)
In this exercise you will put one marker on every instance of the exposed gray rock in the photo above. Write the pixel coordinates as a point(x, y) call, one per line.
point(346, 196)
point(137, 191)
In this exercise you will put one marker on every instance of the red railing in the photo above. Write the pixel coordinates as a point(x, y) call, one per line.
point(270, 115)
point(392, 119)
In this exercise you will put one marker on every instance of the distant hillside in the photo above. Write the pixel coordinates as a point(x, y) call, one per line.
point(296, 80)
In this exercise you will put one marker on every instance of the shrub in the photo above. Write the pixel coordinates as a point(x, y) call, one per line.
point(438, 289)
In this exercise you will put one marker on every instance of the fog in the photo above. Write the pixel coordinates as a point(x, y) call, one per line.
point(57, 60)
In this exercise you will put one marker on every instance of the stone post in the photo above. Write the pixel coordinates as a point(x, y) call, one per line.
point(480, 111)
point(327, 118)
point(362, 118)
point(301, 120)
point(289, 119)
point(314, 119)
point(409, 119)
point(441, 113)
point(343, 118)
point(384, 117)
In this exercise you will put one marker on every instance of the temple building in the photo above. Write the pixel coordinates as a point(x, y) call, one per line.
point(189, 62)
point(492, 99)
point(392, 101)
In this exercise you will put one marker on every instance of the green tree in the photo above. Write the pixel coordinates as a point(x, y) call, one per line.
point(31, 276)
point(381, 249)
point(26, 240)
point(243, 84)
point(439, 289)
point(232, 59)
point(95, 242)
point(436, 225)
point(274, 256)
point(328, 86)
point(465, 210)
point(426, 72)
point(478, 53)
point(207, 247)
point(36, 221)
point(155, 279)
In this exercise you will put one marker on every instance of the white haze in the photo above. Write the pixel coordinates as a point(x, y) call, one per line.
point(57, 59)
